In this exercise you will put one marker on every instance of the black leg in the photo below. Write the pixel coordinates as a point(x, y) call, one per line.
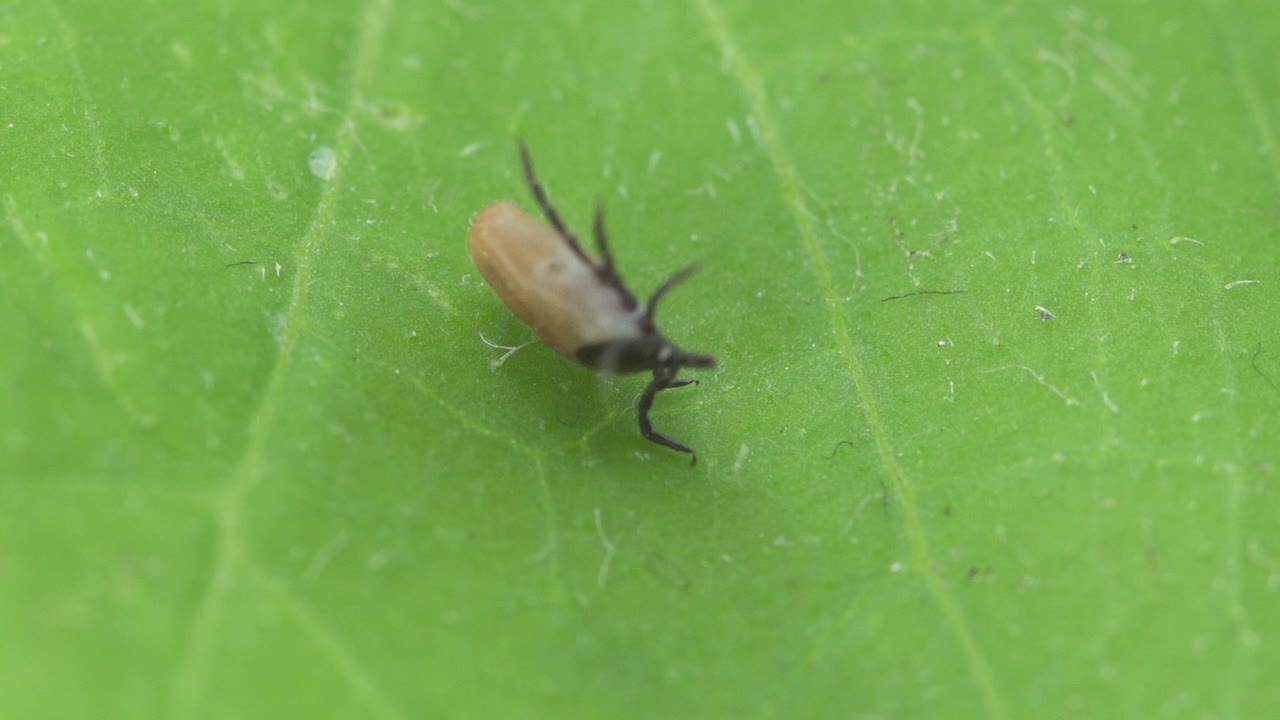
point(548, 209)
point(662, 380)
point(670, 282)
point(606, 269)
point(602, 242)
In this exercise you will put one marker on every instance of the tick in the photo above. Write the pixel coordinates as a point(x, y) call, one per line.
point(577, 303)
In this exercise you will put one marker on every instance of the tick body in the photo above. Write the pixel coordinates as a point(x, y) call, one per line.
point(577, 303)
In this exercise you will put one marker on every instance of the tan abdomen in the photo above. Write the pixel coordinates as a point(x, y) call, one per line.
point(528, 264)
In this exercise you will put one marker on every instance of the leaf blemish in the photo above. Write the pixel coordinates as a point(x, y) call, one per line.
point(1237, 283)
point(922, 292)
point(1254, 363)
point(134, 318)
point(394, 114)
point(602, 575)
point(276, 190)
point(511, 350)
point(1070, 401)
point(837, 447)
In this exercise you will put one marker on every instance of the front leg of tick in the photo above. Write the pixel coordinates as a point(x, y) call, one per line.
point(662, 380)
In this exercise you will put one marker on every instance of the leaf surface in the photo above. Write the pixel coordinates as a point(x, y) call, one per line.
point(993, 289)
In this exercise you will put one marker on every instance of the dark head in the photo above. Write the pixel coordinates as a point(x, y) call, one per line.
point(650, 350)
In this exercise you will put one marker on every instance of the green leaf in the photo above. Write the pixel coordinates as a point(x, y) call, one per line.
point(993, 289)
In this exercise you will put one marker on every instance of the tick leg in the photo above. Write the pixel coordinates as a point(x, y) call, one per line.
point(606, 270)
point(662, 380)
point(549, 210)
point(602, 241)
point(669, 283)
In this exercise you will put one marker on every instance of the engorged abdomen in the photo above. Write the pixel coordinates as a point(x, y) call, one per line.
point(531, 267)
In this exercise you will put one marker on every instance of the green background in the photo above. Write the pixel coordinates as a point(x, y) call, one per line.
point(299, 487)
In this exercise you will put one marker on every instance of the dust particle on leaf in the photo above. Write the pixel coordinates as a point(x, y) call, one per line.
point(277, 191)
point(392, 114)
point(277, 325)
point(323, 162)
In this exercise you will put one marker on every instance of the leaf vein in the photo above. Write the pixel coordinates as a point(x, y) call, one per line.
point(756, 96)
point(229, 553)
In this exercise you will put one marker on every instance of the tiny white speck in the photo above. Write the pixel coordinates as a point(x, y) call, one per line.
point(734, 133)
point(469, 150)
point(1238, 283)
point(1180, 239)
point(279, 267)
point(1106, 400)
point(323, 162)
point(134, 318)
point(896, 566)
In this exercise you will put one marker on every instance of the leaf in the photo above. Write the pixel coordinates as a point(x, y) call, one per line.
point(993, 291)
